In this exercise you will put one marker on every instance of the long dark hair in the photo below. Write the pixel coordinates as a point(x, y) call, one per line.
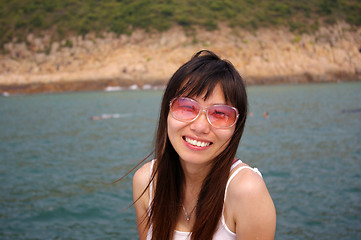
point(198, 76)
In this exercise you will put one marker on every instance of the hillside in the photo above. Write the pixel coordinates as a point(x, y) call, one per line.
point(51, 46)
point(63, 18)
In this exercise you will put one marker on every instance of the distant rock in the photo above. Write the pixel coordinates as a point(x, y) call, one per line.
point(144, 59)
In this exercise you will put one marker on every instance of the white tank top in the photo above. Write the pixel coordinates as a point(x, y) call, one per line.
point(222, 232)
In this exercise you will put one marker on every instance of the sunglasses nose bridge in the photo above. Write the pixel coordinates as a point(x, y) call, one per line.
point(205, 111)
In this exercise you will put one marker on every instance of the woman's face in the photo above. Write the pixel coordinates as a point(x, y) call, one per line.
point(186, 137)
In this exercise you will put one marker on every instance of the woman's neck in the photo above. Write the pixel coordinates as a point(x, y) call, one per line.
point(194, 175)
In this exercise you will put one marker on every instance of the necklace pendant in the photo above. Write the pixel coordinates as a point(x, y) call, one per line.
point(186, 215)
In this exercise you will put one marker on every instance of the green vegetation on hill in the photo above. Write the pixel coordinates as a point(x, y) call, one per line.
point(64, 17)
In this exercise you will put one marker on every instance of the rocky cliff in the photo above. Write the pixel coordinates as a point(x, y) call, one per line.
point(265, 56)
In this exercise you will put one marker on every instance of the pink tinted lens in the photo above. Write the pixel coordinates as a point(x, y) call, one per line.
point(184, 109)
point(222, 115)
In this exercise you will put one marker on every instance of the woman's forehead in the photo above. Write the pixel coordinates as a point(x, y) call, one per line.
point(211, 96)
point(203, 85)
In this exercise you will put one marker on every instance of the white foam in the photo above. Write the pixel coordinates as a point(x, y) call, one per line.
point(134, 87)
point(147, 87)
point(113, 88)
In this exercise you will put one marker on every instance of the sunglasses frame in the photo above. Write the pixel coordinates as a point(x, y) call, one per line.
point(202, 109)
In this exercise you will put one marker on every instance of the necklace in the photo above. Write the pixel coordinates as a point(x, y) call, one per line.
point(186, 215)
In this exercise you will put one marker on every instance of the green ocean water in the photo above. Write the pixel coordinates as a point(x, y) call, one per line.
point(56, 163)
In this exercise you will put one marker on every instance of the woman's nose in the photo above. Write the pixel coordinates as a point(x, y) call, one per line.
point(201, 123)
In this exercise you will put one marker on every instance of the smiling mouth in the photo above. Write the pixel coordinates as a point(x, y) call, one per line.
point(196, 143)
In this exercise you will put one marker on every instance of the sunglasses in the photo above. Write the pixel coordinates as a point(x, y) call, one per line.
point(187, 110)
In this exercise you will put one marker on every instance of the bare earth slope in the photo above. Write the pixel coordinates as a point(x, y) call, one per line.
point(265, 56)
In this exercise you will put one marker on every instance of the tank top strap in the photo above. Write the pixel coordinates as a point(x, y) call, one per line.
point(235, 164)
point(236, 172)
point(151, 183)
point(150, 231)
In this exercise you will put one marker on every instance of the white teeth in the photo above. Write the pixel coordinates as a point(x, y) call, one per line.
point(197, 143)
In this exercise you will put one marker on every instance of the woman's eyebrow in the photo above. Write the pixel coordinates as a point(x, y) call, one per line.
point(215, 103)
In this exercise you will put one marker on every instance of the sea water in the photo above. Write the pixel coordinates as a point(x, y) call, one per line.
point(59, 154)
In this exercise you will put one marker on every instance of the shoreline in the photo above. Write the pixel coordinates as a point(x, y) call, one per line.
point(110, 85)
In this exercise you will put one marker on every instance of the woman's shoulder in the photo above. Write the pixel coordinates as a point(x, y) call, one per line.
point(246, 181)
point(250, 202)
point(141, 181)
point(142, 175)
point(141, 197)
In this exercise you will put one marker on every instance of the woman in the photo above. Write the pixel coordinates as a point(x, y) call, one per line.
point(196, 189)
